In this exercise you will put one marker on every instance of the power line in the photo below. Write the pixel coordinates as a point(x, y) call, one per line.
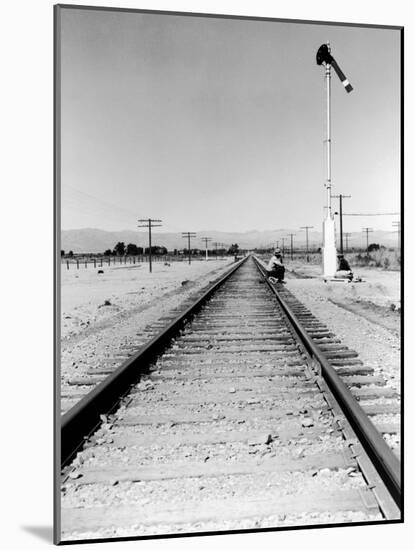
point(107, 205)
point(150, 223)
point(367, 230)
point(206, 241)
point(306, 227)
point(283, 245)
point(188, 235)
point(398, 226)
point(291, 235)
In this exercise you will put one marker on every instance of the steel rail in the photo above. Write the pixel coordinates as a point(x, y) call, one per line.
point(84, 417)
point(387, 464)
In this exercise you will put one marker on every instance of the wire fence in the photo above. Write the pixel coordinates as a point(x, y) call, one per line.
point(92, 261)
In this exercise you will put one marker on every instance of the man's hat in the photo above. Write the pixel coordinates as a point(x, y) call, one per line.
point(277, 251)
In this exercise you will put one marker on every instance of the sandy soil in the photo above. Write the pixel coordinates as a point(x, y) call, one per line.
point(84, 291)
point(365, 316)
point(382, 287)
point(92, 333)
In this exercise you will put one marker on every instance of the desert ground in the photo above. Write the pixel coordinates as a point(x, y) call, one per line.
point(365, 315)
point(104, 314)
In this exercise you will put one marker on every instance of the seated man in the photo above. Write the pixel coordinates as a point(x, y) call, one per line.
point(344, 271)
point(275, 267)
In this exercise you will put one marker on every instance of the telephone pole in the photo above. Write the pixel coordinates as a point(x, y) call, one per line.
point(340, 197)
point(367, 231)
point(215, 245)
point(206, 241)
point(306, 227)
point(283, 245)
point(398, 226)
point(188, 235)
point(150, 223)
point(291, 235)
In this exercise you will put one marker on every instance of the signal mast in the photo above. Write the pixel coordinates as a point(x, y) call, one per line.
point(324, 57)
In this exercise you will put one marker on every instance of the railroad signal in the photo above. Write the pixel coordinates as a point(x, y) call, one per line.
point(150, 223)
point(188, 235)
point(324, 57)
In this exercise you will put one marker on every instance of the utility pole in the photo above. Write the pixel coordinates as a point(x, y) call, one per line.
point(188, 235)
point(346, 238)
point(398, 226)
point(291, 235)
point(150, 223)
point(367, 230)
point(340, 197)
point(206, 241)
point(324, 57)
point(306, 227)
point(283, 245)
point(215, 245)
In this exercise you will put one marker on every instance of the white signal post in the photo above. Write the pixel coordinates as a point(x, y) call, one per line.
point(329, 249)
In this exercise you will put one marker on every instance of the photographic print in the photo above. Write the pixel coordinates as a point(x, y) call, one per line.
point(228, 274)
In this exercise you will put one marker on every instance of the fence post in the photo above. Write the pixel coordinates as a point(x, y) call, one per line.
point(77, 263)
point(86, 264)
point(67, 263)
point(94, 262)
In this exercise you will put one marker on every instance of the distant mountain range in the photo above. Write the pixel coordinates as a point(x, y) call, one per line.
point(91, 240)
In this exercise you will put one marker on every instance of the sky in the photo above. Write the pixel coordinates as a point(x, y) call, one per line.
point(218, 124)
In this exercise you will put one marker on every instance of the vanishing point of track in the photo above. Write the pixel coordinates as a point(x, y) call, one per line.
point(244, 413)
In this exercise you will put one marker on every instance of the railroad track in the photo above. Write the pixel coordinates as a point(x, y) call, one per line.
point(104, 358)
point(238, 423)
